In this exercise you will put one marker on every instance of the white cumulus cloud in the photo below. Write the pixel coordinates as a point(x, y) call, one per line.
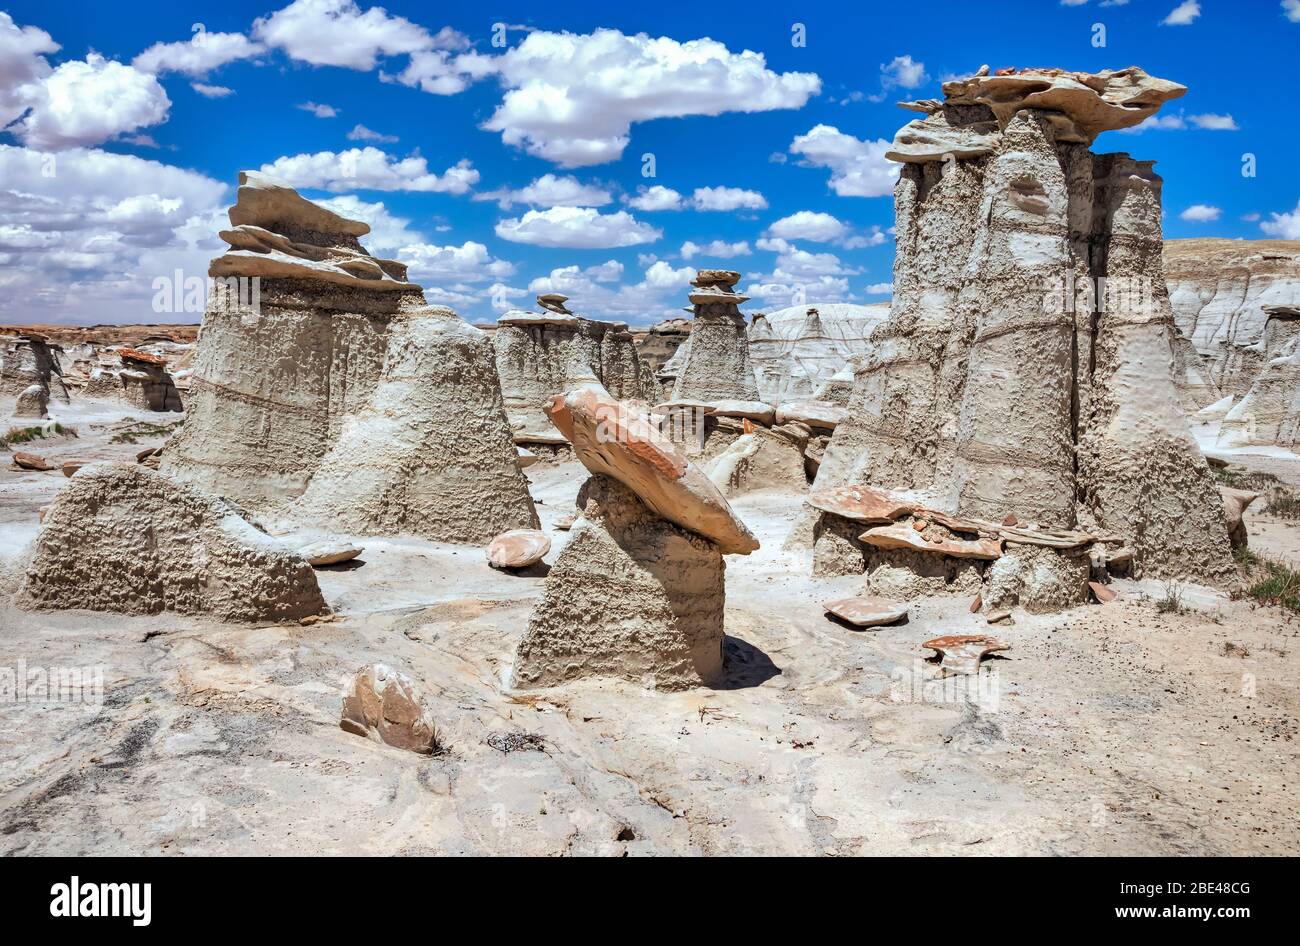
point(573, 98)
point(1183, 14)
point(370, 169)
point(550, 190)
point(196, 58)
point(1200, 213)
point(577, 228)
point(858, 168)
point(1284, 226)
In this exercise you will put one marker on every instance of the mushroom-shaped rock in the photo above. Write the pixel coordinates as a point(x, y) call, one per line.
point(329, 552)
point(518, 548)
point(381, 704)
point(962, 653)
point(905, 537)
point(1081, 105)
point(866, 611)
point(613, 440)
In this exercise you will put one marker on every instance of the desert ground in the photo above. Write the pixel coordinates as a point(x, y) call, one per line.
point(1105, 729)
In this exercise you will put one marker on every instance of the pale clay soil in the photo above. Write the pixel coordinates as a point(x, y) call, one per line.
point(1106, 730)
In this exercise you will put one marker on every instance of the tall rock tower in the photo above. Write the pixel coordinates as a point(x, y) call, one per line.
point(1027, 365)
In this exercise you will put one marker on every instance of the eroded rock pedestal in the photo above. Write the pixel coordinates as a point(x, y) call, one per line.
point(428, 454)
point(1003, 382)
point(324, 388)
point(631, 595)
point(715, 363)
point(638, 591)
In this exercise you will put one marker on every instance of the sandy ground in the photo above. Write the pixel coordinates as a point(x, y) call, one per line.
point(1108, 729)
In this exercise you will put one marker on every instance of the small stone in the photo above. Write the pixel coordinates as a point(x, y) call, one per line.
point(920, 525)
point(518, 548)
point(328, 552)
point(31, 461)
point(565, 523)
point(381, 704)
point(1103, 593)
point(976, 603)
point(72, 466)
point(998, 617)
point(1010, 519)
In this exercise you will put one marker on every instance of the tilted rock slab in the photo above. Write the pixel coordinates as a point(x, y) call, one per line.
point(613, 440)
point(632, 596)
point(121, 537)
point(997, 385)
point(429, 453)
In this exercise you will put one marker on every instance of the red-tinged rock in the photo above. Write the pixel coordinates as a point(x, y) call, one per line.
point(1010, 519)
point(129, 355)
point(30, 461)
point(866, 612)
point(518, 548)
point(1102, 593)
point(382, 704)
point(861, 504)
point(613, 440)
point(976, 603)
point(902, 537)
point(962, 653)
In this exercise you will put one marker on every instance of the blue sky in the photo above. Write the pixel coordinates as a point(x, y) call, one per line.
point(116, 167)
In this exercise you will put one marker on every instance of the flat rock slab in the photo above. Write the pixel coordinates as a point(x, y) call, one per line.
point(905, 537)
point(518, 548)
point(31, 461)
point(329, 553)
point(1102, 593)
point(861, 504)
point(962, 653)
point(866, 612)
point(822, 414)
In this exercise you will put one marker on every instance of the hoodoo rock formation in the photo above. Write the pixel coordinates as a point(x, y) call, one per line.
point(121, 537)
point(638, 591)
point(715, 363)
point(1001, 383)
point(141, 380)
point(277, 371)
point(325, 389)
point(429, 453)
point(28, 361)
point(541, 354)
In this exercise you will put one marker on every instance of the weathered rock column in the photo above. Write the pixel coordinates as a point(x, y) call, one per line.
point(715, 365)
point(638, 591)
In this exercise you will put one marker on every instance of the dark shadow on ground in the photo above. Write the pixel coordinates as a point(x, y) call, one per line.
point(744, 665)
